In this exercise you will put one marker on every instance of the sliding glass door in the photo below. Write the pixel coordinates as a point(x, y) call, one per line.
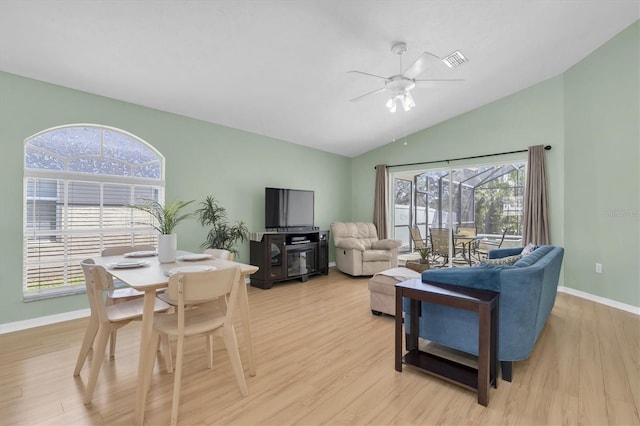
point(486, 201)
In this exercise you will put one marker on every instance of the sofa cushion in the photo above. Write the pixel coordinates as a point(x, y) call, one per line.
point(483, 278)
point(533, 257)
point(385, 244)
point(350, 244)
point(529, 248)
point(376, 256)
point(508, 260)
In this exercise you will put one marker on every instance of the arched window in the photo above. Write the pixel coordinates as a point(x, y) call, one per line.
point(78, 183)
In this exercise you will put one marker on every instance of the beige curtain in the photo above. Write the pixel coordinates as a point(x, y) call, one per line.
point(535, 220)
point(380, 201)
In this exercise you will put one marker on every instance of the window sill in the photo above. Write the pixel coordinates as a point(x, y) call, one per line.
point(32, 296)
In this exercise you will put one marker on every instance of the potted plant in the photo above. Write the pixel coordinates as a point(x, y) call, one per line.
point(222, 235)
point(421, 264)
point(165, 220)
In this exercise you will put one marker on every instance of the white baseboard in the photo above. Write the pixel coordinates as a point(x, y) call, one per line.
point(603, 301)
point(40, 321)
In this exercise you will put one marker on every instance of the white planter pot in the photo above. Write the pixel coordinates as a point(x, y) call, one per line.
point(167, 247)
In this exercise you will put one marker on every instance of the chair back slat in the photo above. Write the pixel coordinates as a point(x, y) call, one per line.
point(416, 236)
point(468, 231)
point(198, 287)
point(96, 282)
point(440, 238)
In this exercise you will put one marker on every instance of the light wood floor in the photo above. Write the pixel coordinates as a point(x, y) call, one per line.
point(322, 358)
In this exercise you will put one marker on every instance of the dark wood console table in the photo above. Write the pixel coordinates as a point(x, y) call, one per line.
point(485, 303)
point(289, 255)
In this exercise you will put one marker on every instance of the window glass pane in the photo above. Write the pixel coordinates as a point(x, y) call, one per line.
point(36, 159)
point(83, 246)
point(43, 212)
point(488, 198)
point(70, 142)
point(116, 210)
point(68, 220)
point(127, 149)
point(83, 208)
point(151, 170)
point(101, 166)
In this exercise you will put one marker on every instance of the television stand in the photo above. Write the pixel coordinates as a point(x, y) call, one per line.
point(283, 256)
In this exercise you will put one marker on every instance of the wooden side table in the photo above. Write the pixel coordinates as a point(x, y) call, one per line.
point(484, 302)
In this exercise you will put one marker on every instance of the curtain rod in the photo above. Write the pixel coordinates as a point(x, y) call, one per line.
point(547, 148)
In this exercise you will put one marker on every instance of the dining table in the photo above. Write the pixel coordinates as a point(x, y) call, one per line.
point(465, 241)
point(145, 273)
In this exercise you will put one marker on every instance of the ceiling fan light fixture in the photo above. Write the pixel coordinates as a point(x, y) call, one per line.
point(409, 100)
point(392, 105)
point(389, 103)
point(455, 59)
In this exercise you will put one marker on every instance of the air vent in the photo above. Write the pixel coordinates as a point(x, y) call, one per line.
point(455, 59)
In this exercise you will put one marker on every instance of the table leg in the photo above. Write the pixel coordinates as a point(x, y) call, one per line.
point(144, 367)
point(484, 356)
point(398, 352)
point(494, 343)
point(246, 324)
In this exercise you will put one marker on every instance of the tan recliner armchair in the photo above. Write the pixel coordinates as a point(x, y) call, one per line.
point(358, 250)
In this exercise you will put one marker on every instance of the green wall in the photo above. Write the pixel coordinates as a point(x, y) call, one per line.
point(201, 159)
point(602, 159)
point(590, 116)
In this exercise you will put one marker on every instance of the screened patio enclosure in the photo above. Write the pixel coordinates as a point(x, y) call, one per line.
point(488, 198)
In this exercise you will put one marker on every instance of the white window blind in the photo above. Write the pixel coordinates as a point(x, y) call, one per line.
point(79, 182)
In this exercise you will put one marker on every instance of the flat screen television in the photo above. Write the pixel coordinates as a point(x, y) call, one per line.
point(288, 209)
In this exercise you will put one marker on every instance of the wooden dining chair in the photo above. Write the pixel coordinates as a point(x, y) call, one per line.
point(105, 318)
point(114, 295)
point(194, 316)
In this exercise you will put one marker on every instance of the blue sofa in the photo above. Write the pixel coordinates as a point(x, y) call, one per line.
point(527, 294)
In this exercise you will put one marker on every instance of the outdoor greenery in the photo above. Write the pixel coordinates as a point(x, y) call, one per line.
point(499, 204)
point(222, 235)
point(489, 198)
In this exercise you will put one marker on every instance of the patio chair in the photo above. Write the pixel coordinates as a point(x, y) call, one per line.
point(440, 239)
point(418, 241)
point(483, 252)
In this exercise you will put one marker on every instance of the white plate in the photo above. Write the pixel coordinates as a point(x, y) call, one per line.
point(130, 264)
point(141, 254)
point(194, 256)
point(191, 268)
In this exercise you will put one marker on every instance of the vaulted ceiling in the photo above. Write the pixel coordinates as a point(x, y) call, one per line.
point(280, 67)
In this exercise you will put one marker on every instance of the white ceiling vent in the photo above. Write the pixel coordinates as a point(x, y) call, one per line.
point(455, 59)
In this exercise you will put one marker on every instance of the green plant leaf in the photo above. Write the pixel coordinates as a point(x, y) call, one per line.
point(166, 217)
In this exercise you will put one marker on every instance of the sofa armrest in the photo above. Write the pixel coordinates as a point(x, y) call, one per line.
point(504, 252)
point(385, 244)
point(481, 278)
point(349, 244)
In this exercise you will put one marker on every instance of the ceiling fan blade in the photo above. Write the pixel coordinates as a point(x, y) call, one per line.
point(420, 65)
point(428, 84)
point(366, 73)
point(366, 94)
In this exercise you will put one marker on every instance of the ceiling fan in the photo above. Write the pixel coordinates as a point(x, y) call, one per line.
point(400, 85)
